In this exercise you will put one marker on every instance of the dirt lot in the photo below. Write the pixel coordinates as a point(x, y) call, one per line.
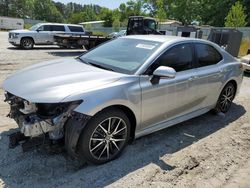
point(208, 151)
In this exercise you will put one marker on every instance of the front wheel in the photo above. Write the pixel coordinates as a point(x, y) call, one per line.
point(27, 43)
point(105, 136)
point(226, 98)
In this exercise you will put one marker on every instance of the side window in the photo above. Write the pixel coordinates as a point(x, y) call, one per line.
point(58, 28)
point(207, 55)
point(179, 57)
point(75, 29)
point(44, 28)
point(150, 24)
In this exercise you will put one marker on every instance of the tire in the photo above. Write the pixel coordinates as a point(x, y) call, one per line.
point(27, 43)
point(100, 143)
point(226, 98)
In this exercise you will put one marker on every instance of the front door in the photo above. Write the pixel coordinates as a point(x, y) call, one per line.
point(44, 35)
point(170, 97)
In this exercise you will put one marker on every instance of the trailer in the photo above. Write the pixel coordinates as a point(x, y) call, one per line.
point(229, 39)
point(76, 41)
point(137, 25)
point(8, 23)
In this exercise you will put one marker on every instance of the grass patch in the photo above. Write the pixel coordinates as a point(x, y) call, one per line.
point(100, 33)
point(27, 26)
point(245, 45)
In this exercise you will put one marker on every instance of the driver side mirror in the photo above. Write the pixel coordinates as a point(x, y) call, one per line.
point(162, 72)
point(165, 72)
point(39, 29)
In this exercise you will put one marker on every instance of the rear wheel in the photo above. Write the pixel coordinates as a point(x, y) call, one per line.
point(105, 136)
point(27, 43)
point(226, 98)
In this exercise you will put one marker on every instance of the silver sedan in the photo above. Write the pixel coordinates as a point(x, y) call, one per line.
point(121, 90)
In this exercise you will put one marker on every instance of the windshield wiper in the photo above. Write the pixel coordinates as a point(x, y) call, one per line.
point(95, 65)
point(79, 58)
point(100, 66)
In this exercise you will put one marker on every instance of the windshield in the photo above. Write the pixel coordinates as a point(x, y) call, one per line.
point(121, 55)
point(35, 27)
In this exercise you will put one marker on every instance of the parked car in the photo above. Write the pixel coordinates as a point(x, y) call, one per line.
point(121, 33)
point(246, 61)
point(42, 34)
point(112, 35)
point(124, 89)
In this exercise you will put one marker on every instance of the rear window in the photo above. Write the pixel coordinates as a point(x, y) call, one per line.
point(207, 55)
point(76, 29)
point(58, 28)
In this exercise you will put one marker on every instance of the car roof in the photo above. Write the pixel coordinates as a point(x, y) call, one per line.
point(162, 38)
point(61, 24)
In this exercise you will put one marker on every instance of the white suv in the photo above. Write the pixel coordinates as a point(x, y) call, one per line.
point(41, 34)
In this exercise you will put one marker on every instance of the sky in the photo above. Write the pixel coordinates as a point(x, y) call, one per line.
point(112, 4)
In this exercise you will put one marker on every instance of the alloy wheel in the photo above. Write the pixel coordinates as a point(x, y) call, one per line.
point(226, 98)
point(27, 43)
point(108, 138)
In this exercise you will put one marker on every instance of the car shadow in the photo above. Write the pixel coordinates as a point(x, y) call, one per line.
point(140, 153)
point(247, 74)
point(45, 47)
point(35, 48)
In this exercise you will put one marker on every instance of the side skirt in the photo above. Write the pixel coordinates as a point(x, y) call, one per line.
point(169, 123)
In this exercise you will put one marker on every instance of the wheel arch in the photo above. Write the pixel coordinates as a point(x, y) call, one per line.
point(27, 37)
point(130, 114)
point(234, 82)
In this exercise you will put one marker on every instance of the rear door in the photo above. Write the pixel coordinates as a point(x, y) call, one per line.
point(209, 73)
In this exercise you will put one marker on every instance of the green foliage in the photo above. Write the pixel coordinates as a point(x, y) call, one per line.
point(236, 16)
point(47, 11)
point(100, 33)
point(208, 12)
point(88, 27)
point(27, 26)
point(116, 24)
point(161, 13)
point(107, 16)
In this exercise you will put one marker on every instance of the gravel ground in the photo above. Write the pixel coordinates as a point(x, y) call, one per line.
point(207, 151)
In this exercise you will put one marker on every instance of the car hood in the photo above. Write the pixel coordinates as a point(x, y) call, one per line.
point(53, 81)
point(22, 31)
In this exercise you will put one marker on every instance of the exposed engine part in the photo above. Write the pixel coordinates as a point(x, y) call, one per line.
point(33, 143)
point(28, 108)
point(40, 118)
point(36, 126)
point(40, 142)
point(15, 138)
point(56, 134)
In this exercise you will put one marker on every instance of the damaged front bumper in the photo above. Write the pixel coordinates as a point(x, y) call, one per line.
point(36, 119)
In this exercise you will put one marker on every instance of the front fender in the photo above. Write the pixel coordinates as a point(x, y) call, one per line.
point(126, 93)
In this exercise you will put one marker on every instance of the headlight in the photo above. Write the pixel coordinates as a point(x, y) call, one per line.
point(15, 35)
point(55, 109)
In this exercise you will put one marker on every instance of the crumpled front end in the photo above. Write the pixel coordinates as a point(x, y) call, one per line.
point(36, 119)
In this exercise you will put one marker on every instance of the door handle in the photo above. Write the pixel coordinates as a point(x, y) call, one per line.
point(193, 78)
point(223, 70)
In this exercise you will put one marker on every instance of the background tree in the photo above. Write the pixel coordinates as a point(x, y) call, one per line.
point(161, 12)
point(47, 11)
point(116, 24)
point(236, 16)
point(207, 12)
